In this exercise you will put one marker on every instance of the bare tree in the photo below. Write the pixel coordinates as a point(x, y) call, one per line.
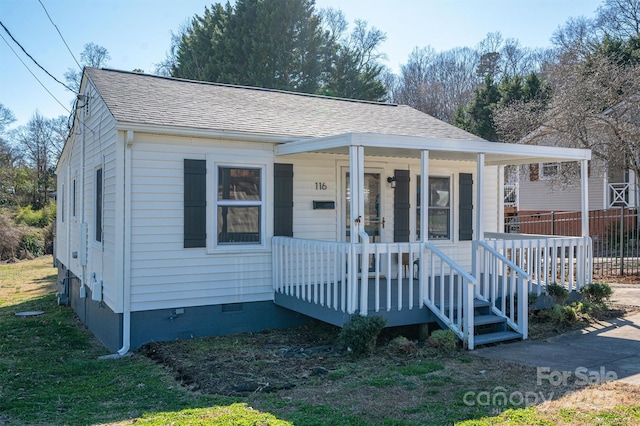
point(165, 66)
point(595, 105)
point(40, 142)
point(575, 39)
point(8, 156)
point(437, 83)
point(93, 55)
point(620, 18)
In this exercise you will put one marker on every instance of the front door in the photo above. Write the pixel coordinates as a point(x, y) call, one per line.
point(373, 207)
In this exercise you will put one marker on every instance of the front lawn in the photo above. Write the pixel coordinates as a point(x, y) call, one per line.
point(50, 374)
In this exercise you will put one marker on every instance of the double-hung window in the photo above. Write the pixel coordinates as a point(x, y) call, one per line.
point(549, 170)
point(239, 204)
point(439, 208)
point(98, 205)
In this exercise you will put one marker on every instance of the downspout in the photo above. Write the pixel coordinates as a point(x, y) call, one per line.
point(126, 253)
point(84, 235)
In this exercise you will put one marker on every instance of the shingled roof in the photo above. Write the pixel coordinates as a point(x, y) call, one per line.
point(152, 100)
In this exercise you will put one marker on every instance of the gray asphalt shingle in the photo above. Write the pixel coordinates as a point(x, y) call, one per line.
point(146, 99)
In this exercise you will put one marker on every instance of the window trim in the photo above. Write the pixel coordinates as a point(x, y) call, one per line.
point(544, 176)
point(450, 208)
point(212, 212)
point(98, 214)
point(74, 198)
point(62, 202)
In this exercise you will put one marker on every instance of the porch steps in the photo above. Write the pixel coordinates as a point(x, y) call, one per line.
point(499, 336)
point(479, 320)
point(489, 327)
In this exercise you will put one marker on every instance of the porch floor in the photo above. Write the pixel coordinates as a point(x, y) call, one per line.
point(332, 294)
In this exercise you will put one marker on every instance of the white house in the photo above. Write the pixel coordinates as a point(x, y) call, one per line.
point(538, 189)
point(190, 208)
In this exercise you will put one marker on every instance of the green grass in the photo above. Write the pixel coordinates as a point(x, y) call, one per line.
point(419, 369)
point(50, 372)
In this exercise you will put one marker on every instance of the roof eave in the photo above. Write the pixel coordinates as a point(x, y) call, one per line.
point(204, 133)
point(458, 149)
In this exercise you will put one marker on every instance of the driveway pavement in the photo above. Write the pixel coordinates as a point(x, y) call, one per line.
point(607, 350)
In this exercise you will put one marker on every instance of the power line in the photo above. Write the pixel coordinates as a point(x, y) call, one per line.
point(31, 57)
point(63, 40)
point(34, 76)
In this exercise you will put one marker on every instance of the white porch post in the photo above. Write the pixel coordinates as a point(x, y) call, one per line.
point(424, 224)
point(479, 235)
point(501, 194)
point(356, 189)
point(584, 273)
point(479, 198)
point(424, 197)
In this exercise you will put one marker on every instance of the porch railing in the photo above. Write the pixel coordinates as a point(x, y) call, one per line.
point(449, 292)
point(547, 259)
point(503, 284)
point(336, 274)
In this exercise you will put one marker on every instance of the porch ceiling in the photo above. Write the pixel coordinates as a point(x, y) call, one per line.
point(382, 145)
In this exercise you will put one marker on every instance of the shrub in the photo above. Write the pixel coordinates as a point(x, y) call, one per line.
point(596, 292)
point(558, 292)
point(32, 242)
point(48, 238)
point(39, 218)
point(403, 346)
point(10, 237)
point(560, 314)
point(443, 340)
point(360, 334)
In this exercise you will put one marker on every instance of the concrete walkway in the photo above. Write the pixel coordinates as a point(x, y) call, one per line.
point(607, 350)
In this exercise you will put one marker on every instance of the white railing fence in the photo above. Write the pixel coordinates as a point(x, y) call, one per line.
point(565, 261)
point(504, 284)
point(449, 292)
point(338, 276)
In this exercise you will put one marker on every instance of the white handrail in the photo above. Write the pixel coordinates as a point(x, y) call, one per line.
point(455, 310)
point(364, 273)
point(547, 259)
point(496, 270)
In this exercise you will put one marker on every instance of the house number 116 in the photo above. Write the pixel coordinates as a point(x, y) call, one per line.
point(321, 186)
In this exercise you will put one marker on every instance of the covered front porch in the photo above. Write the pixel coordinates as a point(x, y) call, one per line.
point(474, 282)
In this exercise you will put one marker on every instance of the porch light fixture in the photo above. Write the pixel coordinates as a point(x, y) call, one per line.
point(392, 181)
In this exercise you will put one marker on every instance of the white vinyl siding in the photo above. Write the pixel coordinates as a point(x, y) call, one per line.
point(541, 195)
point(163, 273)
point(99, 135)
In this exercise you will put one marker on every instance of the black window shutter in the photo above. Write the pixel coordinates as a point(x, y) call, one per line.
point(195, 203)
point(401, 197)
point(283, 200)
point(466, 207)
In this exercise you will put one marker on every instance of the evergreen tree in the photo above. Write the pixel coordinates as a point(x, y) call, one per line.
point(279, 44)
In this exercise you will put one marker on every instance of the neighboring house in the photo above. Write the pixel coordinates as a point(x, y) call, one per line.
point(190, 209)
point(538, 189)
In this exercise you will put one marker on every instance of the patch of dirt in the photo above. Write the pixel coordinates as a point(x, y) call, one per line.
point(597, 398)
point(248, 363)
point(281, 371)
point(278, 360)
point(540, 328)
point(620, 279)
